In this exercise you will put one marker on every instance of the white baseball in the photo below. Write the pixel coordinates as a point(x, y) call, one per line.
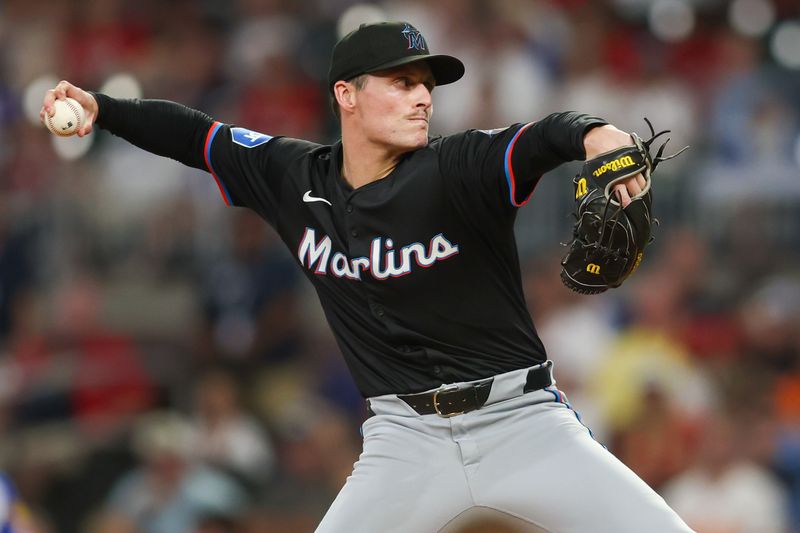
point(67, 119)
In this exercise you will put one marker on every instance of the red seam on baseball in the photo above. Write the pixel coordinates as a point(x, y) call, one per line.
point(78, 114)
point(78, 119)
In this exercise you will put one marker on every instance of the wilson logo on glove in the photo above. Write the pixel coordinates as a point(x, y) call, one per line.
point(617, 164)
point(608, 240)
point(580, 188)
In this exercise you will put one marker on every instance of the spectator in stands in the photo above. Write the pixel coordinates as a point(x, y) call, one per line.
point(170, 492)
point(224, 435)
point(723, 491)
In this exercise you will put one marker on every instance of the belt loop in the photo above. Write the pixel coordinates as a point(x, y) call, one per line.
point(539, 377)
point(370, 412)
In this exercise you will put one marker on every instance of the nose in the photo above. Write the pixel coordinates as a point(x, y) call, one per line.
point(423, 96)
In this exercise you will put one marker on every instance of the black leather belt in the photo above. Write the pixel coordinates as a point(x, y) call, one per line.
point(447, 402)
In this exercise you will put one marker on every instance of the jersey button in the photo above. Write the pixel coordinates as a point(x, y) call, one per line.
point(437, 370)
point(354, 233)
point(349, 208)
point(380, 311)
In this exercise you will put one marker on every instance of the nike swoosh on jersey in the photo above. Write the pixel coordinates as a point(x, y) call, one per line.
point(307, 198)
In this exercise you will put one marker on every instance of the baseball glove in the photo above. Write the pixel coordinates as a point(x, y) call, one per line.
point(608, 240)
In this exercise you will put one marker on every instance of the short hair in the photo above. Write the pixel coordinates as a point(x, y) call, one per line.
point(359, 82)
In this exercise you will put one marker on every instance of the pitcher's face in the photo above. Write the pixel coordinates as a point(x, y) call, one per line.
point(394, 107)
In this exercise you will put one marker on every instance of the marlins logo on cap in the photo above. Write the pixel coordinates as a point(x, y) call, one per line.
point(375, 47)
point(415, 39)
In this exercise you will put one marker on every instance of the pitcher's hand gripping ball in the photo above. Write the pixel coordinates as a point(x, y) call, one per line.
point(67, 119)
point(608, 240)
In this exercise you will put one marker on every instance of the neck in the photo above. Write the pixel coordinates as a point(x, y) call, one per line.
point(364, 162)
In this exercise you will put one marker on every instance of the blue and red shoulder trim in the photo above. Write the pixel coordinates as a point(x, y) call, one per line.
point(212, 132)
point(509, 169)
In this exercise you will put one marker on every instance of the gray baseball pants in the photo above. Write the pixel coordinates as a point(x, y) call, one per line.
point(527, 455)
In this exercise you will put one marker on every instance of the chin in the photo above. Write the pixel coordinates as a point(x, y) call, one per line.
point(421, 139)
point(410, 141)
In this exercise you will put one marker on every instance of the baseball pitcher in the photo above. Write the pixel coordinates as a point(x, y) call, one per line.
point(409, 242)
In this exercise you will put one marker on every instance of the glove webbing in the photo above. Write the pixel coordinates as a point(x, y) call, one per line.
point(653, 136)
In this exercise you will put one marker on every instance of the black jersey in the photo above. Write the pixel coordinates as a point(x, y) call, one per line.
point(418, 272)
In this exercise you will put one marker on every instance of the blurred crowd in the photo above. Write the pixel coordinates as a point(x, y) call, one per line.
point(165, 368)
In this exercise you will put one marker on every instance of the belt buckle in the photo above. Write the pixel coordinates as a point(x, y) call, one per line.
point(436, 393)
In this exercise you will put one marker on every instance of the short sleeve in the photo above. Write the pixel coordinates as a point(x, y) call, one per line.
point(251, 167)
point(504, 165)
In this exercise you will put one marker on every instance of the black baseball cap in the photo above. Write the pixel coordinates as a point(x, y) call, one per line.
point(385, 45)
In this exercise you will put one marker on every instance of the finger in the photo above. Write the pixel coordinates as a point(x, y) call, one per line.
point(622, 194)
point(641, 181)
point(88, 124)
point(59, 92)
point(85, 130)
point(633, 187)
point(49, 98)
point(81, 96)
point(62, 88)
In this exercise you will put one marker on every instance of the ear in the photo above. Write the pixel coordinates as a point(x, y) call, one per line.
point(345, 93)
